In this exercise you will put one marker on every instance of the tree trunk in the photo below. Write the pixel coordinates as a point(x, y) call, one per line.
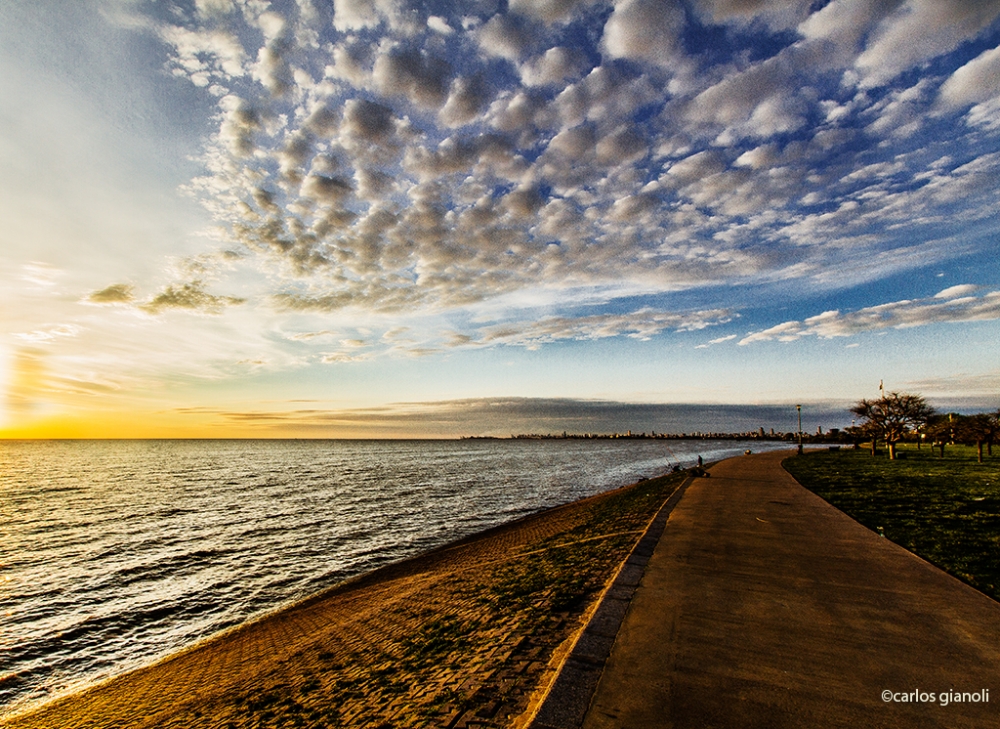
point(891, 445)
point(979, 448)
point(941, 446)
point(874, 444)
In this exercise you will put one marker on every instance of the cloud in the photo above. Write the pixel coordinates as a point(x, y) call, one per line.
point(467, 97)
point(113, 294)
point(642, 324)
point(698, 166)
point(504, 416)
point(273, 69)
point(473, 176)
point(415, 74)
point(846, 24)
point(760, 101)
point(241, 122)
point(506, 36)
point(362, 14)
point(342, 358)
point(205, 55)
point(976, 81)
point(949, 306)
point(719, 340)
point(645, 30)
point(955, 292)
point(918, 30)
point(987, 383)
point(555, 66)
point(368, 120)
point(901, 112)
point(189, 296)
point(44, 336)
point(306, 336)
point(439, 25)
point(382, 158)
point(550, 11)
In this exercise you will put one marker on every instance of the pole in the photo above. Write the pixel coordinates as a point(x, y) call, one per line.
point(799, 408)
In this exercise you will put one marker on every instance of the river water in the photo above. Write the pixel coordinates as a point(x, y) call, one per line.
point(116, 553)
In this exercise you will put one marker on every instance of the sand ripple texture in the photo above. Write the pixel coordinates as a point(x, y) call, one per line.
point(462, 636)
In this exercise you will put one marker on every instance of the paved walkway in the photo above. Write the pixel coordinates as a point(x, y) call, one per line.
point(762, 606)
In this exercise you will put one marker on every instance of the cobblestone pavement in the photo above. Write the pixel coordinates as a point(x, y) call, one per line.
point(464, 636)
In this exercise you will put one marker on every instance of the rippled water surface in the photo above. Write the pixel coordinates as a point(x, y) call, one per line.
point(114, 553)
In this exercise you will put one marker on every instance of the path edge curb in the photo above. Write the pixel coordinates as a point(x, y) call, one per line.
point(567, 701)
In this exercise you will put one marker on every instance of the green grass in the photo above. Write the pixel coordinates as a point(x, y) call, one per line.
point(947, 510)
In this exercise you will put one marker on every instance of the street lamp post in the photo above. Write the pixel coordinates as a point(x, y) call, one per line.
point(799, 408)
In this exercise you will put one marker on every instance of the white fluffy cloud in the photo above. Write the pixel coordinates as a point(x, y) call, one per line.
point(376, 156)
point(976, 81)
point(647, 30)
point(777, 13)
point(554, 67)
point(506, 36)
point(353, 15)
point(846, 23)
point(918, 30)
point(550, 11)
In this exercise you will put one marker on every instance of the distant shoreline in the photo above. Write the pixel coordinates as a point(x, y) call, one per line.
point(835, 436)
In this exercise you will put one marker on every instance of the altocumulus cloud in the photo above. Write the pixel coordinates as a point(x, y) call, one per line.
point(954, 304)
point(388, 155)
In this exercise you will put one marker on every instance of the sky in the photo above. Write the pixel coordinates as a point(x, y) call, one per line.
point(390, 218)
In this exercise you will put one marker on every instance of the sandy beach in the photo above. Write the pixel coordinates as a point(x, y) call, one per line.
point(466, 635)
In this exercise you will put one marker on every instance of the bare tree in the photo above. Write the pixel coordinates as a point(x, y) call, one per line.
point(891, 416)
point(941, 429)
point(995, 425)
point(980, 429)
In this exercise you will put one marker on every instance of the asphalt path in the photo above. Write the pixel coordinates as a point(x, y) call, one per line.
point(764, 606)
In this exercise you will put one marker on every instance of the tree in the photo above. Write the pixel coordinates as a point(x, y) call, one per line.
point(995, 424)
point(891, 416)
point(980, 429)
point(941, 429)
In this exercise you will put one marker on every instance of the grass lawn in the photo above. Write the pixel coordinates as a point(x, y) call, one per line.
point(947, 510)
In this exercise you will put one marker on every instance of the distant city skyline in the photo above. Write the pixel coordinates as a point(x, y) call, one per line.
point(388, 218)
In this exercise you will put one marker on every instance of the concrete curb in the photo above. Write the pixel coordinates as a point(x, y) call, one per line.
point(566, 704)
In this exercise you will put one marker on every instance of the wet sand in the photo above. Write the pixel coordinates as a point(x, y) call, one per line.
point(466, 635)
